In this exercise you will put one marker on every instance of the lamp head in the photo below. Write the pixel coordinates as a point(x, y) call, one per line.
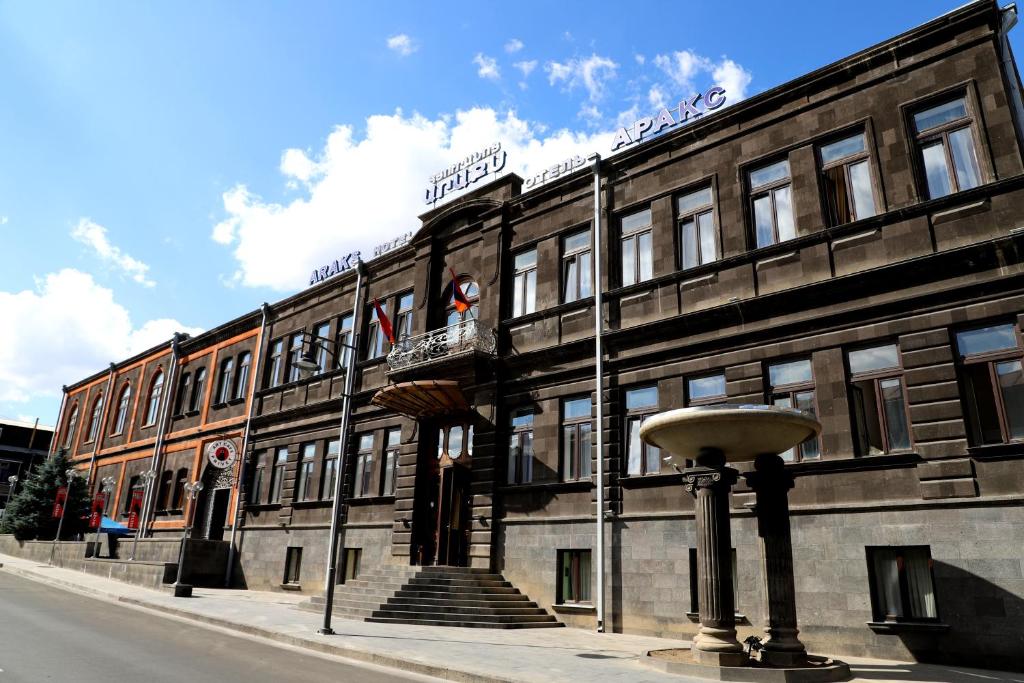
point(308, 362)
point(12, 480)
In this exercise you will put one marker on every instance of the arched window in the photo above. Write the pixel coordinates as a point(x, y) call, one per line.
point(198, 389)
point(69, 435)
point(183, 391)
point(242, 383)
point(94, 419)
point(179, 489)
point(122, 408)
point(155, 390)
point(472, 293)
point(227, 369)
point(164, 495)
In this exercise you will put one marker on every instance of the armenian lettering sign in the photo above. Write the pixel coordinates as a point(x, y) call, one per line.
point(99, 503)
point(60, 502)
point(221, 453)
point(652, 125)
point(464, 173)
point(564, 167)
point(134, 508)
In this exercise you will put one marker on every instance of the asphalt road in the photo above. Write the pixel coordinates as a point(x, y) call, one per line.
point(47, 634)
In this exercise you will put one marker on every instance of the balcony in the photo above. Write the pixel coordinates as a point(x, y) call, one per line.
point(467, 338)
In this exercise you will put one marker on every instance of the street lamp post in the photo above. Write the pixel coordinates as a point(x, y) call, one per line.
point(184, 590)
point(12, 482)
point(71, 474)
point(106, 484)
point(147, 478)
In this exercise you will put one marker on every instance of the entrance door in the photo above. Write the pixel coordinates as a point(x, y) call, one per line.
point(452, 516)
point(218, 514)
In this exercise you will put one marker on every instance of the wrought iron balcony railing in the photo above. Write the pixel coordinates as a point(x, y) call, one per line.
point(468, 335)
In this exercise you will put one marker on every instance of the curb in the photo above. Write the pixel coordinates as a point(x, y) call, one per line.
point(324, 647)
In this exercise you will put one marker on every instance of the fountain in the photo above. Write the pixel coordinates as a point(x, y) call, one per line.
point(715, 436)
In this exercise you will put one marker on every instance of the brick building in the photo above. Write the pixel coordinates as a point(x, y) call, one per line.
point(848, 243)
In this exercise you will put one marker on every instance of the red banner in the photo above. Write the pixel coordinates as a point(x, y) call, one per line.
point(58, 505)
point(134, 509)
point(99, 503)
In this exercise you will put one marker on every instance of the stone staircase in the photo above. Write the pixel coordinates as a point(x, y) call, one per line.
point(435, 596)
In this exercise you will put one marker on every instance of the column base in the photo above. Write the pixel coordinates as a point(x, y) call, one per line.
point(720, 658)
point(783, 660)
point(182, 590)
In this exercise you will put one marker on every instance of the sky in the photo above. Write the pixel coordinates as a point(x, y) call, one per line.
point(170, 166)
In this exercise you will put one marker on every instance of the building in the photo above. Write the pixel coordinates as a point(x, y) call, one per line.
point(848, 243)
point(23, 445)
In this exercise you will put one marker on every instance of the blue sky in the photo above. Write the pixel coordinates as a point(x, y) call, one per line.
point(172, 165)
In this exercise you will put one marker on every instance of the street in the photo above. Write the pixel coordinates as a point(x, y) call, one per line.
point(50, 634)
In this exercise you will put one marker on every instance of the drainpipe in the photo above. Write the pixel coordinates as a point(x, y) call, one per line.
point(339, 473)
point(599, 385)
point(165, 412)
point(103, 425)
point(55, 439)
point(1009, 18)
point(257, 367)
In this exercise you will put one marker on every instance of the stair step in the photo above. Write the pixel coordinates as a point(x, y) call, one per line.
point(458, 616)
point(462, 610)
point(464, 624)
point(521, 602)
point(443, 581)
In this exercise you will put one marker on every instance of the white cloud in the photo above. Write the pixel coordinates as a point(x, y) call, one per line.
point(657, 97)
point(3, 220)
point(640, 59)
point(488, 66)
point(685, 67)
point(526, 67)
point(402, 44)
point(514, 45)
point(358, 193)
point(592, 74)
point(66, 329)
point(94, 235)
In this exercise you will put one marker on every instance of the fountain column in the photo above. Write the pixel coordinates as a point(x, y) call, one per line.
point(771, 483)
point(716, 641)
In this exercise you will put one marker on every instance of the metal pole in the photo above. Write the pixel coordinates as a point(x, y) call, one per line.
point(60, 525)
point(182, 590)
point(599, 387)
point(165, 410)
point(13, 485)
point(257, 368)
point(103, 423)
point(339, 476)
point(106, 484)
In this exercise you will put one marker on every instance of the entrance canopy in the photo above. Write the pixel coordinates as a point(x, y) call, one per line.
point(423, 398)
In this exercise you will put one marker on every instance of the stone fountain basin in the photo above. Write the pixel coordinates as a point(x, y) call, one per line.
point(740, 432)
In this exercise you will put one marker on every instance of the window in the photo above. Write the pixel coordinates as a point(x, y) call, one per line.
point(304, 482)
point(472, 294)
point(179, 489)
point(697, 238)
point(772, 204)
point(184, 390)
point(122, 408)
point(706, 390)
point(902, 588)
point(277, 475)
point(345, 339)
point(258, 473)
point(364, 465)
point(392, 442)
point(274, 376)
point(242, 382)
point(576, 450)
point(946, 142)
point(694, 585)
point(95, 418)
point(455, 440)
point(69, 435)
point(227, 369)
point(992, 383)
point(520, 448)
point(403, 317)
point(641, 458)
point(134, 484)
point(375, 334)
point(573, 577)
point(877, 400)
point(292, 565)
point(198, 389)
point(524, 284)
point(163, 497)
point(577, 282)
point(846, 179)
point(792, 386)
point(350, 558)
point(636, 247)
point(329, 479)
point(155, 389)
point(294, 353)
point(323, 332)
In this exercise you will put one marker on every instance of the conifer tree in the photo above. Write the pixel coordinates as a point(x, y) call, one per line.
point(30, 513)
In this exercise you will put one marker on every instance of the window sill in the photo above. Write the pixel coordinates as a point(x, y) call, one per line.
point(167, 513)
point(903, 626)
point(236, 401)
point(291, 586)
point(369, 500)
point(575, 608)
point(578, 485)
point(263, 506)
point(997, 450)
point(639, 481)
point(311, 503)
point(558, 309)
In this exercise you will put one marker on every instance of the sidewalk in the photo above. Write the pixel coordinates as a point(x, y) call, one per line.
point(462, 654)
